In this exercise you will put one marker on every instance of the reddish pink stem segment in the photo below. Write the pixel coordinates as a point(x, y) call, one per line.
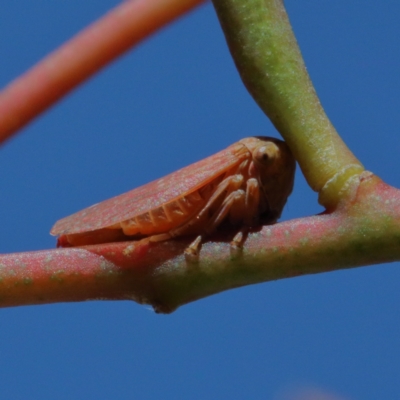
point(364, 230)
point(62, 275)
point(82, 56)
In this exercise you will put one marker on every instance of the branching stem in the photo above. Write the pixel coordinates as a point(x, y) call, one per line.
point(361, 225)
point(269, 61)
point(363, 231)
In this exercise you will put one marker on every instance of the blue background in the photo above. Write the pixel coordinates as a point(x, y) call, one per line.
point(175, 99)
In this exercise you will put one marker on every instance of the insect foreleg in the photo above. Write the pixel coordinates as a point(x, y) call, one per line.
point(237, 208)
point(252, 209)
point(227, 186)
point(232, 205)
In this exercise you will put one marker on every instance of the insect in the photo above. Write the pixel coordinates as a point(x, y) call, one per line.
point(243, 186)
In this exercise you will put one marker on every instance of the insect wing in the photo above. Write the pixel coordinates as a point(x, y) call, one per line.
point(151, 195)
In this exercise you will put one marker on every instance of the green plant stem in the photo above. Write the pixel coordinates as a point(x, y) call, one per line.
point(266, 53)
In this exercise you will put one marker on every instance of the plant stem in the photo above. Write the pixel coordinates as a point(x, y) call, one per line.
point(269, 61)
point(361, 232)
point(77, 60)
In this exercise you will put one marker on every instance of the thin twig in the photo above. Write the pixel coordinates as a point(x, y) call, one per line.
point(85, 54)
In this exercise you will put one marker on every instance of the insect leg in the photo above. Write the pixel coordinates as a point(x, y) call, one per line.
point(232, 204)
point(160, 238)
point(225, 188)
point(251, 215)
point(197, 223)
point(236, 245)
point(237, 208)
point(192, 252)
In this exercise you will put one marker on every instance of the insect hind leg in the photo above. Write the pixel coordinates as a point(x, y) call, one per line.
point(160, 237)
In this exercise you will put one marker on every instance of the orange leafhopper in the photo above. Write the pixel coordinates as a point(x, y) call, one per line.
point(243, 186)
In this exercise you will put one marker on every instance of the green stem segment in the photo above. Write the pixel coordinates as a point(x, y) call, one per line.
point(266, 53)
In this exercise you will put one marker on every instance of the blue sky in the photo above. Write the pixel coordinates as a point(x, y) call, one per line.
point(175, 99)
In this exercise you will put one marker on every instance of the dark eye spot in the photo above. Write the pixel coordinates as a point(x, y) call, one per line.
point(266, 154)
point(263, 156)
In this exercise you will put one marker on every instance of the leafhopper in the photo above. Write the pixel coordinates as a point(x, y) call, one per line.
point(244, 186)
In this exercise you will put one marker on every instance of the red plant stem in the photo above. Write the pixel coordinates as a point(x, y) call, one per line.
point(363, 230)
point(82, 56)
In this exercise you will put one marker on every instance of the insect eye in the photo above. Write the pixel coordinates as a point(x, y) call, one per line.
point(266, 154)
